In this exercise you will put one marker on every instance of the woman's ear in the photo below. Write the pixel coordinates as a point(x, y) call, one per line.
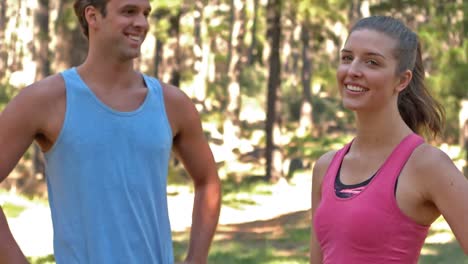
point(404, 80)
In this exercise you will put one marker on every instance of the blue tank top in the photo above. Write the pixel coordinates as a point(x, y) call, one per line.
point(106, 179)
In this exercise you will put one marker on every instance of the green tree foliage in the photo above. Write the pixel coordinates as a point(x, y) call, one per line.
point(181, 29)
point(6, 93)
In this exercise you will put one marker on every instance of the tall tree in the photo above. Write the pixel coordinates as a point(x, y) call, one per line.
point(174, 34)
point(42, 58)
point(71, 45)
point(159, 14)
point(272, 155)
point(236, 58)
point(3, 50)
point(166, 19)
point(360, 8)
point(202, 50)
point(41, 45)
point(306, 117)
point(253, 49)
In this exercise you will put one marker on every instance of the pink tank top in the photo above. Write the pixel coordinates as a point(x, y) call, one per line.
point(369, 227)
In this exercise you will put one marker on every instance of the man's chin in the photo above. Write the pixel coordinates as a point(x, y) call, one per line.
point(131, 55)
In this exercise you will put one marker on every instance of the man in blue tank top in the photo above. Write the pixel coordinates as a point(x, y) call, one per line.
point(107, 132)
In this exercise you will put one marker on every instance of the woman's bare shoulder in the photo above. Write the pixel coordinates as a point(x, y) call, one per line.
point(322, 164)
point(432, 168)
point(428, 159)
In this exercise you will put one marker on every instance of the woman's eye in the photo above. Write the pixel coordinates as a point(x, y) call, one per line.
point(346, 58)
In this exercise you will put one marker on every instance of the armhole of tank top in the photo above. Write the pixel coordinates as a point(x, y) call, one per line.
point(65, 74)
point(415, 143)
point(156, 87)
point(393, 197)
point(328, 181)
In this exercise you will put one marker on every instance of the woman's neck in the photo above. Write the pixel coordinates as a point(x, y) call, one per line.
point(380, 130)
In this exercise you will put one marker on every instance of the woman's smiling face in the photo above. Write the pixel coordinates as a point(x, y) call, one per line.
point(367, 71)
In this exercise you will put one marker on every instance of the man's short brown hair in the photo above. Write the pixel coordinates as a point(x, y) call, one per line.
point(80, 5)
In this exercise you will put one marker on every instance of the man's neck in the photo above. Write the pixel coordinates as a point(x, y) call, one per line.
point(112, 75)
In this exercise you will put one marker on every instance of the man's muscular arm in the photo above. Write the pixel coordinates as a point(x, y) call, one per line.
point(20, 122)
point(193, 150)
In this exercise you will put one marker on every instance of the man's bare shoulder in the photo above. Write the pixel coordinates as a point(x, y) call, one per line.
point(37, 97)
point(32, 113)
point(181, 111)
point(178, 105)
point(47, 88)
point(174, 94)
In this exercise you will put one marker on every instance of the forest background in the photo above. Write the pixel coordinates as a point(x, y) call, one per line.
point(261, 73)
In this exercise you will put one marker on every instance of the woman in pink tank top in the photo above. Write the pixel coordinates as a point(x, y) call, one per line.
point(374, 200)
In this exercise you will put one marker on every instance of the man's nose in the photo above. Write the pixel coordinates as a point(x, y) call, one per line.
point(141, 21)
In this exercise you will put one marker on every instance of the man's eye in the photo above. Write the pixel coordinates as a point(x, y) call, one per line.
point(129, 12)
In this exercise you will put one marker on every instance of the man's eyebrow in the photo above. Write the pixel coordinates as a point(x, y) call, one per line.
point(135, 6)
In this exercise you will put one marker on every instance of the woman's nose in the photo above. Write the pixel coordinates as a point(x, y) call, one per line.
point(354, 69)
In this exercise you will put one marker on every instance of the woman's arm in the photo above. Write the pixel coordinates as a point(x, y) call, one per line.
point(319, 171)
point(447, 189)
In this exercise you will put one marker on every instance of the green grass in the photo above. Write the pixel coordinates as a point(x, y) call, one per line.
point(12, 210)
point(446, 252)
point(237, 194)
point(283, 240)
point(42, 260)
point(287, 242)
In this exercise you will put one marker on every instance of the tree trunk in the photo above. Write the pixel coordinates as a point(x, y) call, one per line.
point(16, 41)
point(71, 44)
point(236, 46)
point(158, 57)
point(306, 118)
point(42, 58)
point(360, 9)
point(272, 155)
point(3, 47)
point(464, 30)
point(353, 12)
point(174, 33)
point(202, 52)
point(42, 55)
point(253, 52)
point(162, 70)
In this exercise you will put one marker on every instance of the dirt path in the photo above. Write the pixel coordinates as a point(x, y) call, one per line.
point(33, 227)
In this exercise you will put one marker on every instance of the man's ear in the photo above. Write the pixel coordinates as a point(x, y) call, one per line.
point(403, 82)
point(91, 14)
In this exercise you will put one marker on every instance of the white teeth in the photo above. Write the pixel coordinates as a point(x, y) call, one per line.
point(355, 88)
point(136, 38)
